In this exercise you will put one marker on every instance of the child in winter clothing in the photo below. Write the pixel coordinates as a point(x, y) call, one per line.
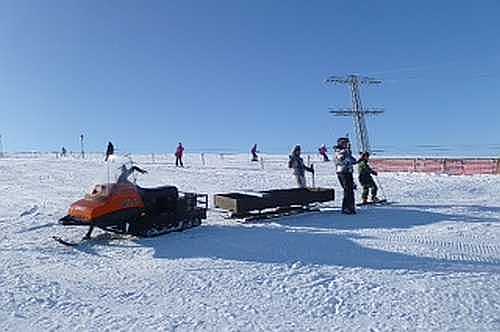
point(365, 178)
point(297, 163)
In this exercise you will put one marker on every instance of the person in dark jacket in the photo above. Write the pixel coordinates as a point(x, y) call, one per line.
point(109, 151)
point(179, 152)
point(323, 151)
point(365, 178)
point(344, 164)
point(297, 164)
point(254, 151)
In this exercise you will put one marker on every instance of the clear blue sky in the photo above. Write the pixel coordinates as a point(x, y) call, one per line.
point(225, 74)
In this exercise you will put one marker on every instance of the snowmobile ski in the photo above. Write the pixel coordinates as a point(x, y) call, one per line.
point(67, 243)
point(379, 202)
point(104, 237)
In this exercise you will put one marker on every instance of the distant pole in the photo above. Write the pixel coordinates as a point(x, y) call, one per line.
point(1, 146)
point(109, 173)
point(203, 159)
point(81, 146)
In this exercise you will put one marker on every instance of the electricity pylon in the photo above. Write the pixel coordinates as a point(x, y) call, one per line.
point(357, 111)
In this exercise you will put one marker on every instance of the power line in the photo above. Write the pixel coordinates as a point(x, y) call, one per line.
point(437, 78)
point(431, 67)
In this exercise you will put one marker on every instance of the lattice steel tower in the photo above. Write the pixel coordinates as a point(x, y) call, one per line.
point(357, 111)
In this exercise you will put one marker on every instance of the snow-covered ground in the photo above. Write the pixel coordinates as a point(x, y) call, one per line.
point(430, 262)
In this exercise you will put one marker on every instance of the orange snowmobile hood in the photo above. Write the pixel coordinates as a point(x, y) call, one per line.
point(117, 197)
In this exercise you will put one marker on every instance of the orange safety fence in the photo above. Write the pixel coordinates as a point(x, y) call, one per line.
point(466, 166)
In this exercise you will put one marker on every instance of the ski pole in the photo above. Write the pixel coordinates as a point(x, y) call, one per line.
point(313, 176)
point(381, 189)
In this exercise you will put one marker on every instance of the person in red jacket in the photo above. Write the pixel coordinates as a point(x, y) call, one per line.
point(179, 152)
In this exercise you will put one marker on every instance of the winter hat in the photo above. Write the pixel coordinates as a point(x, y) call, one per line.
point(296, 149)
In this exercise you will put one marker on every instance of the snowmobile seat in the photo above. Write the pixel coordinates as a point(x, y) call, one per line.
point(157, 200)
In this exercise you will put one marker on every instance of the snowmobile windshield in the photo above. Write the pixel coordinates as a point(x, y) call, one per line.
point(100, 192)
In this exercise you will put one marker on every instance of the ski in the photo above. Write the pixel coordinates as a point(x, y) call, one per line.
point(380, 202)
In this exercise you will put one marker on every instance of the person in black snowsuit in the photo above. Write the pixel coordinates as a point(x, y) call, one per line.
point(109, 151)
point(126, 172)
point(344, 166)
point(63, 152)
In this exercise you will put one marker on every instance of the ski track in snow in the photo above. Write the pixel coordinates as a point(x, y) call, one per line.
point(430, 262)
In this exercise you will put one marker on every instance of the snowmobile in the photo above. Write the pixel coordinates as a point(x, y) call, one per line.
point(125, 208)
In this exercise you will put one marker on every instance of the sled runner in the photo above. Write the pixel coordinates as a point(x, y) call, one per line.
point(256, 216)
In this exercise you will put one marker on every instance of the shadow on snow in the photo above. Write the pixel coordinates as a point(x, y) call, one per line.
point(402, 216)
point(314, 239)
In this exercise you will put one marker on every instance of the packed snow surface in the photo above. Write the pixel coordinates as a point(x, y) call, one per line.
point(428, 262)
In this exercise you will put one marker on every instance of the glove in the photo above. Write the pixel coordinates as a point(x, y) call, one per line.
point(375, 173)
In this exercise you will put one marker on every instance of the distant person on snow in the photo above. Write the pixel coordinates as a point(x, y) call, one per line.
point(365, 178)
point(297, 164)
point(109, 151)
point(254, 151)
point(63, 152)
point(126, 172)
point(179, 152)
point(323, 151)
point(344, 165)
